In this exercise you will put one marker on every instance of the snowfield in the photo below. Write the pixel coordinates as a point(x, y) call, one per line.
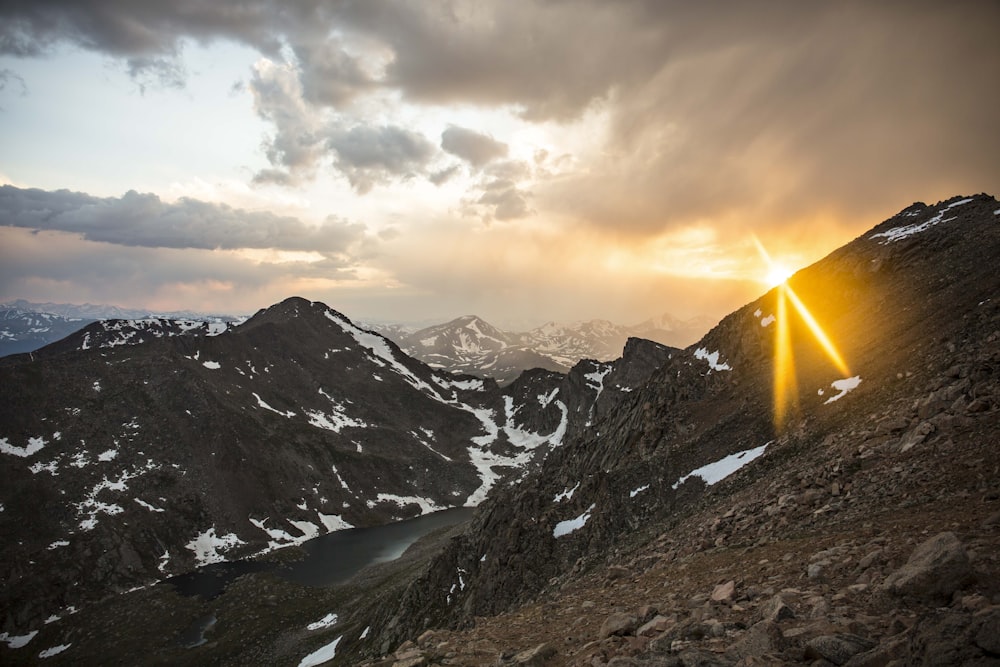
point(719, 470)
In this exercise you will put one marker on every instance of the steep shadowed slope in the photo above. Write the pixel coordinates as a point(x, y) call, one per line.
point(912, 308)
point(138, 449)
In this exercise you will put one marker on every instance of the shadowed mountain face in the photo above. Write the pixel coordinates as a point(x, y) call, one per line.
point(138, 449)
point(911, 306)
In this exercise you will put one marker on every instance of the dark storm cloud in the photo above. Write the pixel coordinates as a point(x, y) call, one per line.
point(475, 148)
point(771, 109)
point(143, 220)
point(372, 155)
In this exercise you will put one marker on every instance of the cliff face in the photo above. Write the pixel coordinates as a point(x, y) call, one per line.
point(911, 308)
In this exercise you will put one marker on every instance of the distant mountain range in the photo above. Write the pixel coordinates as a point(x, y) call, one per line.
point(472, 345)
point(26, 326)
point(466, 344)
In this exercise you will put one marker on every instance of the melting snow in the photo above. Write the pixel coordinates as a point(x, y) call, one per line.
point(544, 400)
point(57, 544)
point(634, 492)
point(757, 313)
point(321, 655)
point(264, 405)
point(333, 522)
point(381, 351)
point(724, 467)
point(897, 233)
point(426, 504)
point(33, 446)
point(595, 380)
point(206, 546)
point(107, 455)
point(327, 621)
point(843, 386)
point(366, 631)
point(18, 641)
point(55, 650)
point(567, 527)
point(712, 358)
point(52, 467)
point(147, 505)
point(91, 506)
point(212, 365)
point(565, 494)
point(768, 321)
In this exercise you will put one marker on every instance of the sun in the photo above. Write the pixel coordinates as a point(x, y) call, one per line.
point(777, 275)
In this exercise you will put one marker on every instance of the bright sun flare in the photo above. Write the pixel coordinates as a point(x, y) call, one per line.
point(785, 381)
point(777, 274)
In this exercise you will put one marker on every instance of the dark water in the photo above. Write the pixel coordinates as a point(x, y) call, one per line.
point(329, 559)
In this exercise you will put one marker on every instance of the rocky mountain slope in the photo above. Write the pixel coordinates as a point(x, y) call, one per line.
point(471, 345)
point(820, 518)
point(134, 450)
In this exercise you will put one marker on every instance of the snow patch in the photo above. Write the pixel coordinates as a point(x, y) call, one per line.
point(897, 233)
point(211, 365)
point(327, 621)
point(567, 527)
point(321, 655)
point(107, 455)
point(147, 505)
point(57, 544)
point(565, 494)
point(843, 386)
point(55, 650)
point(768, 321)
point(724, 467)
point(206, 546)
point(34, 446)
point(264, 405)
point(19, 640)
point(712, 358)
point(333, 522)
point(426, 504)
point(634, 492)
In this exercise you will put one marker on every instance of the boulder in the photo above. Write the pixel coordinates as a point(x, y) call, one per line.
point(935, 570)
point(619, 624)
point(534, 657)
point(724, 592)
point(837, 649)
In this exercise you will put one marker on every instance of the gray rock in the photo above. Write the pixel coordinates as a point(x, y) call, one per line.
point(724, 592)
point(988, 635)
point(619, 624)
point(775, 610)
point(762, 638)
point(837, 649)
point(535, 657)
point(935, 570)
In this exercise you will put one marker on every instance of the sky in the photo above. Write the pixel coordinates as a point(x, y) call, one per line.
point(521, 160)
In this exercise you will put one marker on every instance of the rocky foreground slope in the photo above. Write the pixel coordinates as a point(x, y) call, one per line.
point(864, 531)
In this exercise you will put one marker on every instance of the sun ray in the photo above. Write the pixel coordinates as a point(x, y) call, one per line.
point(785, 381)
point(818, 332)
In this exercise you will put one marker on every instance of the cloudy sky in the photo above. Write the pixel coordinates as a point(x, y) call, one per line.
point(521, 160)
